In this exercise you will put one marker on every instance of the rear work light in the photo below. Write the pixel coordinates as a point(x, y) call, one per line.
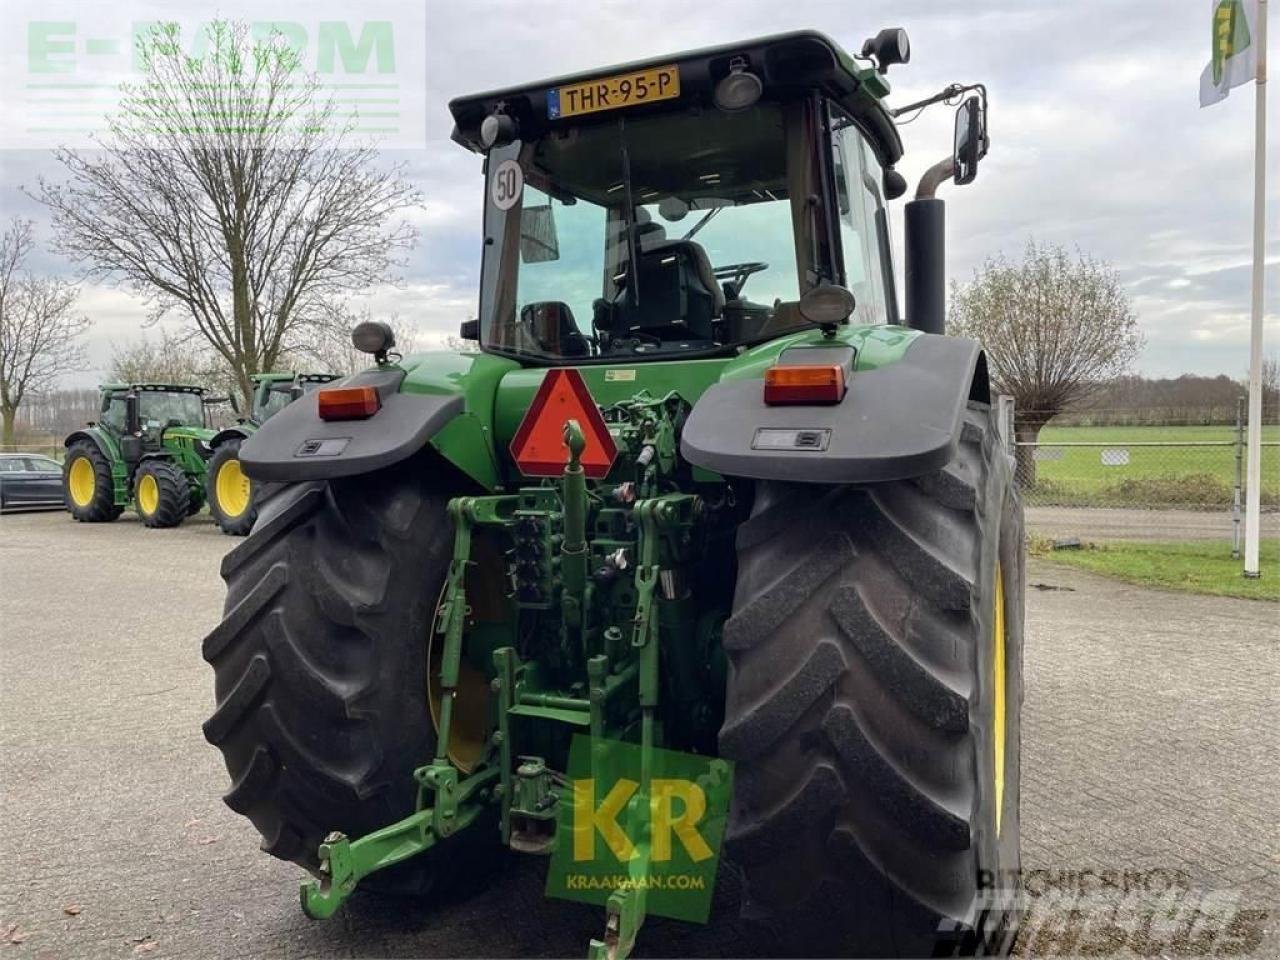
point(348, 403)
point(808, 383)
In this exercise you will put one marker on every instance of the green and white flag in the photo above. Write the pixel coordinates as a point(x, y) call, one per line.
point(1234, 59)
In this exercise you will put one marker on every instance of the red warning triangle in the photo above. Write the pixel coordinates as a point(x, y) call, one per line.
point(539, 449)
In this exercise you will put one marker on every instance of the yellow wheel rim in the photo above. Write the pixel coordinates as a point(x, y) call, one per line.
point(998, 720)
point(82, 482)
point(232, 489)
point(148, 494)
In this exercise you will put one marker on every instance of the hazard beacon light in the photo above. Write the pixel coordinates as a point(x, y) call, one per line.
point(538, 447)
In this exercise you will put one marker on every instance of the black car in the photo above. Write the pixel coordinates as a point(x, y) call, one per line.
point(29, 481)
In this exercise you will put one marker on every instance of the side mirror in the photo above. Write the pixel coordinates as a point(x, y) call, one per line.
point(469, 330)
point(970, 140)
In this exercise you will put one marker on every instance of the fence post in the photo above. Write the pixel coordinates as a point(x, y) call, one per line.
point(1236, 492)
point(1004, 420)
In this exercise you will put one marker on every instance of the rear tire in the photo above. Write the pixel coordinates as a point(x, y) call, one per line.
point(161, 494)
point(861, 710)
point(95, 504)
point(320, 668)
point(235, 519)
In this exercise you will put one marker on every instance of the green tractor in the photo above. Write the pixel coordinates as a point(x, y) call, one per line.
point(148, 448)
point(709, 517)
point(231, 494)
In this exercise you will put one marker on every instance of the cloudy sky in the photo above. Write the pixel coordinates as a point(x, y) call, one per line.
point(1098, 141)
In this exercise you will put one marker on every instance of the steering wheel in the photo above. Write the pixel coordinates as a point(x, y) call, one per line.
point(737, 273)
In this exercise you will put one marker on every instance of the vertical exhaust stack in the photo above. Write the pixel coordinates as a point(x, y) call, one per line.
point(925, 246)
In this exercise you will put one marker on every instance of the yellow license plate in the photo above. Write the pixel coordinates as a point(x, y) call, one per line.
point(613, 93)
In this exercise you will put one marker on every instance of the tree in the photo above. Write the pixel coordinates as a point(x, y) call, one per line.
point(1270, 388)
point(39, 330)
point(1055, 328)
point(228, 193)
point(328, 347)
point(171, 359)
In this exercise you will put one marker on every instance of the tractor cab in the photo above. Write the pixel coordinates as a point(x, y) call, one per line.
point(141, 414)
point(683, 206)
point(272, 392)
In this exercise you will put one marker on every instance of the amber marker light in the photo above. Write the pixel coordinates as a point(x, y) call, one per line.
point(348, 403)
point(808, 384)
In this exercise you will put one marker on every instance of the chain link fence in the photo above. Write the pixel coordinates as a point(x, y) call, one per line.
point(1142, 480)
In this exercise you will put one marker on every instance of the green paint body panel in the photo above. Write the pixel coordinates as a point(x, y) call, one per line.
point(467, 442)
point(182, 446)
point(497, 391)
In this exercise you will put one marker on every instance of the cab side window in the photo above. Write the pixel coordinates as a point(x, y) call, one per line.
point(864, 238)
point(113, 415)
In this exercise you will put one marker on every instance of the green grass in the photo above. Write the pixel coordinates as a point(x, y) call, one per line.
point(1198, 567)
point(1188, 477)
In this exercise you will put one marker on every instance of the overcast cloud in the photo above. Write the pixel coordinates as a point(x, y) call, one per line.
point(1097, 143)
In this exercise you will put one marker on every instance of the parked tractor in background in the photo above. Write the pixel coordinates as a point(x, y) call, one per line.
point(707, 495)
point(148, 448)
point(231, 492)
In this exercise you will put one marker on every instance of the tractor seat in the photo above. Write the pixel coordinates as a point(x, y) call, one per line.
point(679, 296)
point(551, 325)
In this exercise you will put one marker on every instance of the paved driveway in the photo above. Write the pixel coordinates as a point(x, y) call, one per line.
point(1150, 746)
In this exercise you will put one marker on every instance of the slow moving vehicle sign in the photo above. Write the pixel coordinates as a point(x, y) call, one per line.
point(539, 449)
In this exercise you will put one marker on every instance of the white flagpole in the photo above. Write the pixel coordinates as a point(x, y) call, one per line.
point(1253, 483)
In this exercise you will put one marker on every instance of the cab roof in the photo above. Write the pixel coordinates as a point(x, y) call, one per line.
point(154, 387)
point(288, 376)
point(787, 63)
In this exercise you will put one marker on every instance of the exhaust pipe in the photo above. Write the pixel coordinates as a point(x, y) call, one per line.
point(925, 246)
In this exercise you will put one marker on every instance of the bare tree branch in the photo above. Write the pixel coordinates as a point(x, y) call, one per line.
point(1055, 329)
point(170, 359)
point(39, 330)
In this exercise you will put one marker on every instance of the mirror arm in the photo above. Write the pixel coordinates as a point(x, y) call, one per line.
point(946, 93)
point(934, 176)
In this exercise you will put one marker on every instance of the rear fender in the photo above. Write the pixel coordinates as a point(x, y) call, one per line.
point(110, 448)
point(899, 420)
point(237, 432)
point(296, 445)
point(98, 439)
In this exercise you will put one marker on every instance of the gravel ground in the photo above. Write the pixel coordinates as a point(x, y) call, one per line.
point(1150, 740)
